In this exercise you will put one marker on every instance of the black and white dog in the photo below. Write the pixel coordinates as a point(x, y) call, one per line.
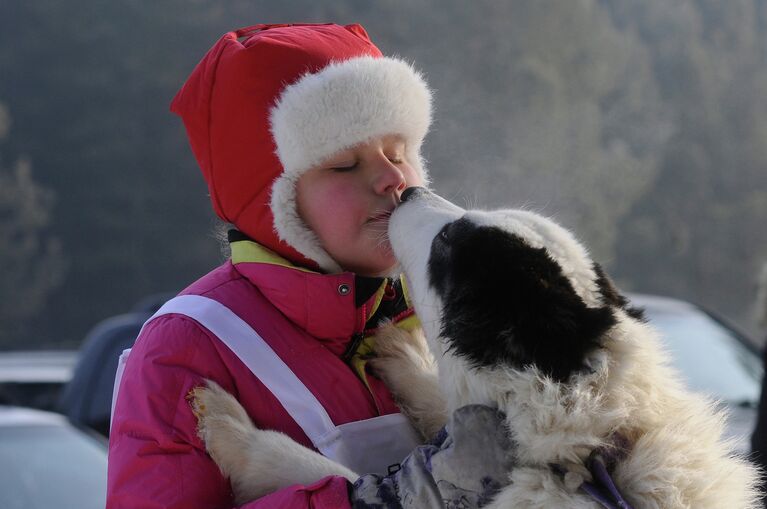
point(516, 316)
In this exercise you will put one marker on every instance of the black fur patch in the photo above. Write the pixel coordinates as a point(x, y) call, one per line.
point(613, 297)
point(508, 303)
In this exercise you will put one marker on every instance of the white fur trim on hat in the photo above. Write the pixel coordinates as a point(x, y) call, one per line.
point(344, 104)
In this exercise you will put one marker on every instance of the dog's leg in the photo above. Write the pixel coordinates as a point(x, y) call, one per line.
point(405, 364)
point(256, 461)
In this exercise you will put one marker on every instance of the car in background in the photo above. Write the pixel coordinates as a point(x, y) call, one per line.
point(35, 378)
point(713, 357)
point(87, 398)
point(46, 462)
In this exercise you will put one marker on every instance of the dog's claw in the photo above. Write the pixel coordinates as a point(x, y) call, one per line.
point(195, 397)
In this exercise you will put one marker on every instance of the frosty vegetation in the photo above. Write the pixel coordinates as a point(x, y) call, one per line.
point(642, 124)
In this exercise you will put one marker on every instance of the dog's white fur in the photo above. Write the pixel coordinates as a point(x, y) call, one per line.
point(677, 459)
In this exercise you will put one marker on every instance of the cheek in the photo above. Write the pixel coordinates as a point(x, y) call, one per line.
point(329, 206)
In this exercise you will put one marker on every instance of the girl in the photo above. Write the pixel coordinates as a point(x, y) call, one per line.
point(306, 136)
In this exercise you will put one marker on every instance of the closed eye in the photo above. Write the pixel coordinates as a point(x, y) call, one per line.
point(342, 169)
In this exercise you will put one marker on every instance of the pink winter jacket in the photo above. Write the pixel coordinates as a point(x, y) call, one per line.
point(156, 459)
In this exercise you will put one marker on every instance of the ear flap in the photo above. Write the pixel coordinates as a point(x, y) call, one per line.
point(612, 296)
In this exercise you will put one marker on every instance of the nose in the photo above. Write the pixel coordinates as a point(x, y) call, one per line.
point(389, 178)
point(412, 192)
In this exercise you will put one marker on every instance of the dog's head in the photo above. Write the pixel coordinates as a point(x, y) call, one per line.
point(502, 288)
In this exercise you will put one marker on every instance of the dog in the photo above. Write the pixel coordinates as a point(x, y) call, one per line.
point(517, 317)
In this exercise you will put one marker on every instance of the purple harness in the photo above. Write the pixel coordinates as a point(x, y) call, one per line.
point(602, 489)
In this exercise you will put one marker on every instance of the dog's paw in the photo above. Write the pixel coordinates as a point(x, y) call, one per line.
point(405, 364)
point(394, 345)
point(401, 359)
point(214, 400)
point(222, 424)
point(255, 461)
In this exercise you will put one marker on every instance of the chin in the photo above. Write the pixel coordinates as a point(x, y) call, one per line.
point(379, 261)
point(382, 270)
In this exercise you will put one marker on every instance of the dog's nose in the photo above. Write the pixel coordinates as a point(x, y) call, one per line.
point(412, 192)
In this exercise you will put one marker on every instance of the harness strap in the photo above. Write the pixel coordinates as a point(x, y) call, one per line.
point(599, 471)
point(258, 356)
point(603, 489)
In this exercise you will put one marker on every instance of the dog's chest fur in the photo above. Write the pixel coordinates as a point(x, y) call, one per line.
point(676, 457)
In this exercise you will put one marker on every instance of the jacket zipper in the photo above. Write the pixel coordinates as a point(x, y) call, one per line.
point(351, 348)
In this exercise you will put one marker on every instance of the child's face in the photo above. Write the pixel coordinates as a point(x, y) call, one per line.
point(347, 201)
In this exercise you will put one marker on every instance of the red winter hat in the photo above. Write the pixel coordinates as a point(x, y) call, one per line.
point(268, 102)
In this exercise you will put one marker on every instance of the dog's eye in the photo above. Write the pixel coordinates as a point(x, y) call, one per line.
point(445, 234)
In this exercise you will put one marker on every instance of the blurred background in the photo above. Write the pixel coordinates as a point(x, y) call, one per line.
point(640, 124)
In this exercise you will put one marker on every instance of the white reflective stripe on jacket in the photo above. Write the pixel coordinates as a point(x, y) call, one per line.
point(366, 446)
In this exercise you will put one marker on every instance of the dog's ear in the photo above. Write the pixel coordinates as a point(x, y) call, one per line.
point(612, 296)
